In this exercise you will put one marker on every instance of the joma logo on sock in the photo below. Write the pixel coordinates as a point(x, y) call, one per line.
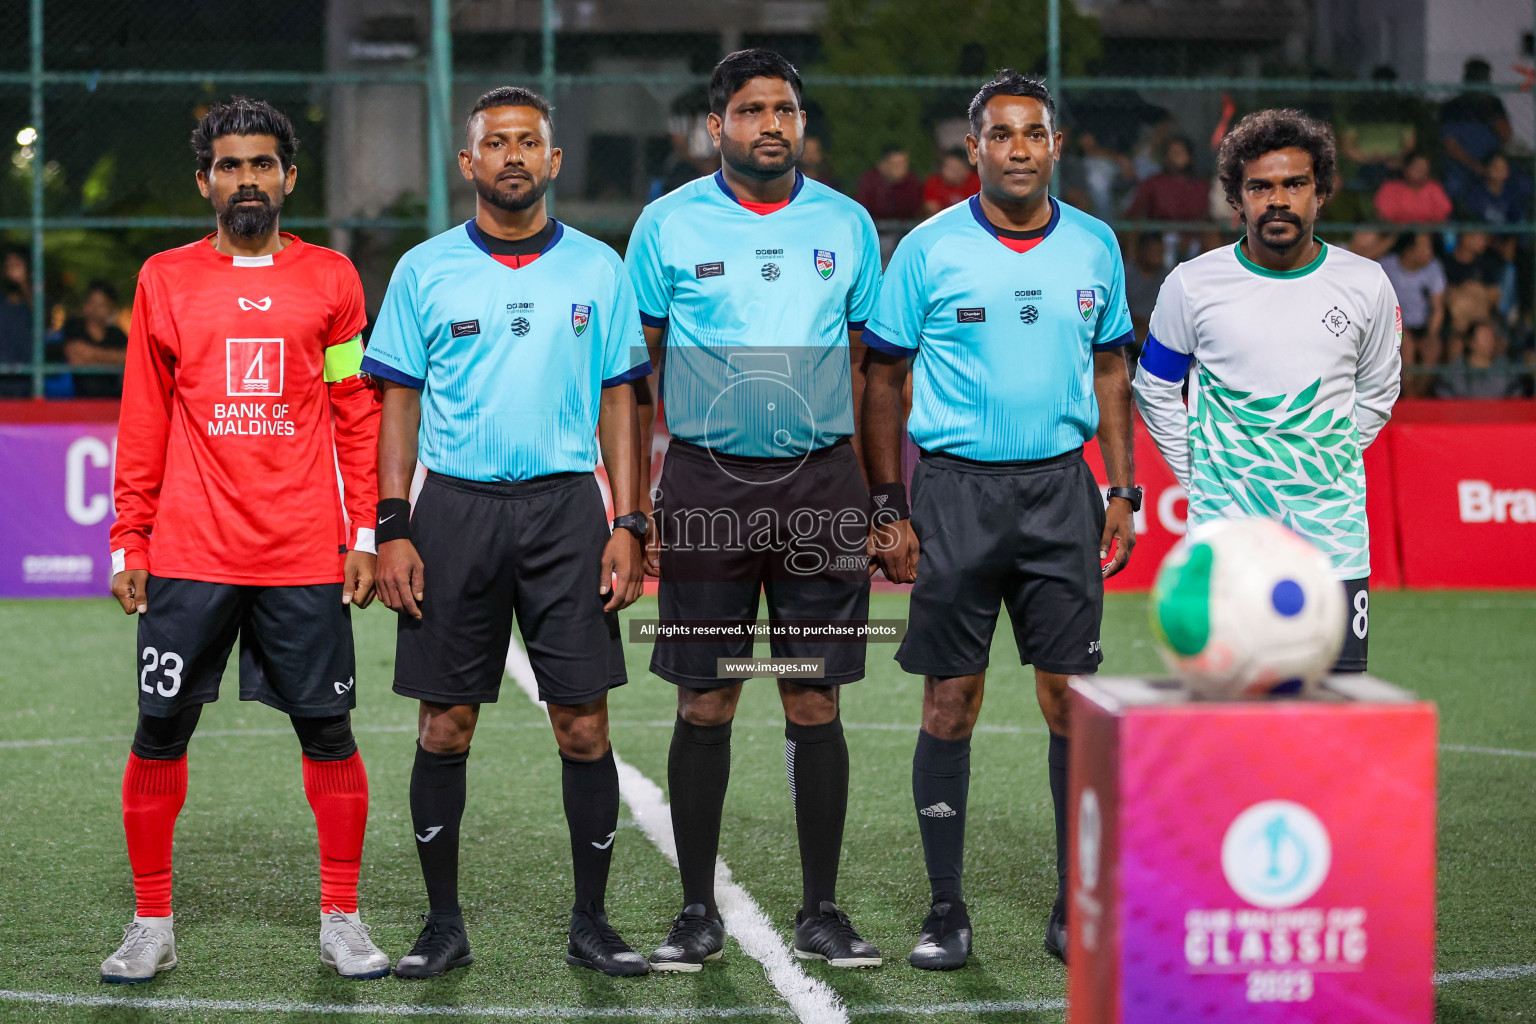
point(431, 834)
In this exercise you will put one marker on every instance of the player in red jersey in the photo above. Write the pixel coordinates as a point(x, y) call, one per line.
point(242, 399)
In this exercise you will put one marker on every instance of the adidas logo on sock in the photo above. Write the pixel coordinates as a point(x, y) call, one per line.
point(938, 810)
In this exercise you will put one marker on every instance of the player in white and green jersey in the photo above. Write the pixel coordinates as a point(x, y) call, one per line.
point(1291, 352)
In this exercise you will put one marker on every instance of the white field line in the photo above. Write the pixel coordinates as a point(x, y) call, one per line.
point(1457, 748)
point(1487, 974)
point(191, 1005)
point(973, 1009)
point(811, 1000)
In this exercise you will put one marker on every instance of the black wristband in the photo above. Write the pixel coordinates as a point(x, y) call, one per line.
point(888, 502)
point(394, 521)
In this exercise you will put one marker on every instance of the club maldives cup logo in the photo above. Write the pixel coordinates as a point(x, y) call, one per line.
point(1085, 300)
point(826, 263)
point(1276, 854)
point(580, 317)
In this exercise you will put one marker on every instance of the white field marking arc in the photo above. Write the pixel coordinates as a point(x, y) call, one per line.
point(189, 1004)
point(811, 1000)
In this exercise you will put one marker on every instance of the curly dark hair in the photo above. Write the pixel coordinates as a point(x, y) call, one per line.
point(243, 116)
point(1265, 131)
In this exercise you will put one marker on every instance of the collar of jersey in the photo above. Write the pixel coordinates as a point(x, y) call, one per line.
point(474, 236)
point(719, 177)
point(981, 218)
point(1283, 275)
point(252, 261)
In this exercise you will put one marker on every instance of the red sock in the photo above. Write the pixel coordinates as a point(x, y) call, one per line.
point(153, 792)
point(338, 794)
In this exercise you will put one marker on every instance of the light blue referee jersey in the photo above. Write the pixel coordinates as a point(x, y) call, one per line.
point(511, 363)
point(757, 309)
point(1004, 340)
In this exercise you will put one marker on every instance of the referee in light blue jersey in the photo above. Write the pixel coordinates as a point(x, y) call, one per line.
point(755, 283)
point(1011, 309)
point(507, 346)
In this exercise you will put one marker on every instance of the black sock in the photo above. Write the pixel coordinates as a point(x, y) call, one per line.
point(698, 770)
point(437, 805)
point(591, 790)
point(1056, 760)
point(941, 779)
point(816, 761)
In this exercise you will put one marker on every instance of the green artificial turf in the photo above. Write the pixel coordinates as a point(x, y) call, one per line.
point(246, 872)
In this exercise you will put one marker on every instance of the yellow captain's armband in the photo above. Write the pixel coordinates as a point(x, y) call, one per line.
point(344, 360)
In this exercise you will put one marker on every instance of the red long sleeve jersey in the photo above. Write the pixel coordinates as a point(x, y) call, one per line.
point(230, 438)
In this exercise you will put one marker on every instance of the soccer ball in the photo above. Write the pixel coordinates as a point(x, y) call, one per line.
point(1244, 608)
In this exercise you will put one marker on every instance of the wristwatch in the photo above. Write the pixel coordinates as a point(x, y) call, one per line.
point(636, 523)
point(1130, 494)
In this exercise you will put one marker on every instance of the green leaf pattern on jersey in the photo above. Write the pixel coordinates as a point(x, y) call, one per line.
point(1280, 457)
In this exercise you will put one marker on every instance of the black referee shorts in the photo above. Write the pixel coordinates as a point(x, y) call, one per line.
point(1024, 534)
point(491, 551)
point(295, 646)
point(733, 527)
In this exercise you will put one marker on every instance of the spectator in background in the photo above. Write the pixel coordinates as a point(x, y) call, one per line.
point(1174, 193)
point(1101, 179)
point(1474, 277)
point(1148, 153)
point(955, 182)
point(1377, 131)
point(1416, 198)
point(1500, 196)
point(1419, 281)
point(1373, 245)
point(813, 162)
point(16, 322)
point(889, 190)
point(1483, 372)
point(1144, 276)
point(693, 154)
point(1473, 281)
point(1473, 127)
point(94, 339)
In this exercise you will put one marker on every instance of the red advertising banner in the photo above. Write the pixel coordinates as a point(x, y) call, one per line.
point(1161, 521)
point(1465, 498)
point(1451, 494)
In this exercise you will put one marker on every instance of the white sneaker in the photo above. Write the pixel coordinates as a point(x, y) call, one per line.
point(148, 948)
point(345, 945)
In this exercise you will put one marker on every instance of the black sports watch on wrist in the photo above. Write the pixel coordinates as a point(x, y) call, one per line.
point(1130, 494)
point(636, 523)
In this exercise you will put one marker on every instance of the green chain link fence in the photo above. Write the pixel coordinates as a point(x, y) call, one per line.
point(97, 100)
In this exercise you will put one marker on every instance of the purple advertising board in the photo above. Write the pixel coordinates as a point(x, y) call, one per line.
point(56, 502)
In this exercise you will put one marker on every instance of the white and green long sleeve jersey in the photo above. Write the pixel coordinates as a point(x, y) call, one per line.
point(1291, 376)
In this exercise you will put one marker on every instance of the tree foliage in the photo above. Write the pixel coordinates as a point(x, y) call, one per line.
point(971, 38)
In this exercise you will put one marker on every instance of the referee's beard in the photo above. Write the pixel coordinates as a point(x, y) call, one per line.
point(512, 202)
point(750, 161)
